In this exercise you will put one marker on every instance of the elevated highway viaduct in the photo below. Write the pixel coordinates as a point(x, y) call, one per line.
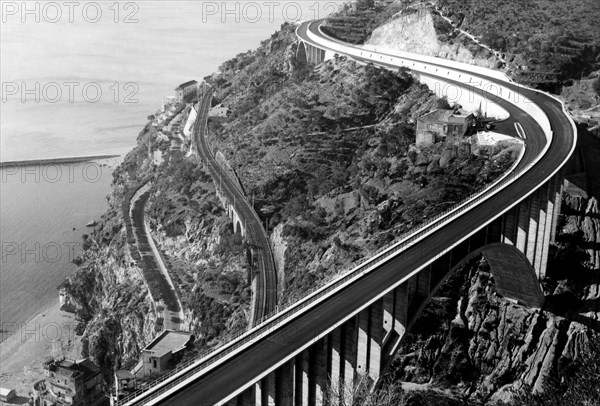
point(348, 331)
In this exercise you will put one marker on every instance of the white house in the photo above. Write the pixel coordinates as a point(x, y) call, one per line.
point(157, 355)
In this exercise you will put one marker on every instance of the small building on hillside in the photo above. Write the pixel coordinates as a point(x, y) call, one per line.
point(218, 111)
point(160, 353)
point(186, 91)
point(125, 383)
point(73, 382)
point(440, 124)
point(489, 142)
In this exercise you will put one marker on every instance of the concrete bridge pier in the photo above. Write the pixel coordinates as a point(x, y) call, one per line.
point(236, 220)
point(531, 225)
point(309, 54)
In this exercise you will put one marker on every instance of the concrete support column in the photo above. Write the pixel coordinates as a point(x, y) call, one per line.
point(376, 337)
point(335, 370)
point(370, 338)
point(285, 380)
point(557, 203)
point(411, 291)
point(401, 309)
point(388, 313)
point(509, 227)
point(258, 393)
point(247, 397)
point(362, 353)
point(423, 282)
point(265, 391)
point(302, 363)
point(543, 231)
point(350, 332)
point(399, 322)
point(549, 227)
point(522, 224)
point(535, 204)
point(494, 231)
point(318, 376)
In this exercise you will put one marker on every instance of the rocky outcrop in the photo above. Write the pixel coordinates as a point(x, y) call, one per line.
point(279, 248)
point(474, 343)
point(110, 296)
point(584, 219)
point(484, 346)
point(414, 30)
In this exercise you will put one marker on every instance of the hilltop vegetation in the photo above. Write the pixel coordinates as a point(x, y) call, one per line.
point(546, 44)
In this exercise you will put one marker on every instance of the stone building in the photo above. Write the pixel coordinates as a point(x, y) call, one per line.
point(159, 355)
point(438, 125)
point(74, 383)
point(186, 91)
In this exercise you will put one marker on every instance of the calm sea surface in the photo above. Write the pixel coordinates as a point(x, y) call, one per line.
point(78, 87)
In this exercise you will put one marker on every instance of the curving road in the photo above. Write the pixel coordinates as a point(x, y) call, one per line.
point(265, 291)
point(154, 268)
point(221, 374)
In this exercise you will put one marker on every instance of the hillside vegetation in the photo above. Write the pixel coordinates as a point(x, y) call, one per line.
point(206, 262)
point(328, 157)
point(546, 43)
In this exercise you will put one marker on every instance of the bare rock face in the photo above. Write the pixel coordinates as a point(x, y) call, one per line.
point(590, 225)
point(448, 155)
point(290, 61)
point(415, 32)
point(434, 164)
point(488, 347)
point(279, 249)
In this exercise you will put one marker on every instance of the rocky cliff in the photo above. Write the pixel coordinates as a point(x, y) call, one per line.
point(484, 349)
point(419, 30)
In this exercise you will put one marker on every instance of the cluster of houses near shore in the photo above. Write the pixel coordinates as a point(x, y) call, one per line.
point(81, 383)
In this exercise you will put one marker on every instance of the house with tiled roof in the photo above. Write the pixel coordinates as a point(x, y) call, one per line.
point(186, 91)
point(73, 382)
point(440, 124)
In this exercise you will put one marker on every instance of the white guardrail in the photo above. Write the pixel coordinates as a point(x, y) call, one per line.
point(180, 377)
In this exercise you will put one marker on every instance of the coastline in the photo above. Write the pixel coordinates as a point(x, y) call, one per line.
point(49, 334)
point(71, 230)
point(50, 161)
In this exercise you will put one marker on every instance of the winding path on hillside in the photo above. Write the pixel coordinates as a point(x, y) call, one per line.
point(153, 267)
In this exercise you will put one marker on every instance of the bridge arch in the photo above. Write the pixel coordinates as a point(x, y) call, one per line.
point(237, 226)
point(514, 278)
point(301, 55)
point(514, 275)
